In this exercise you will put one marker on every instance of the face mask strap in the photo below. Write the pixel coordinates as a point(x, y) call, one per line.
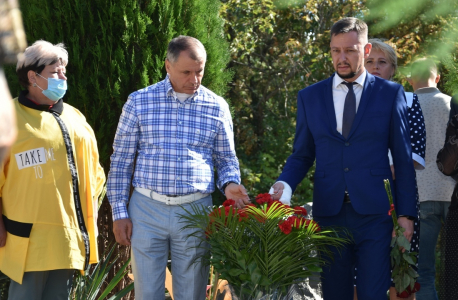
point(36, 73)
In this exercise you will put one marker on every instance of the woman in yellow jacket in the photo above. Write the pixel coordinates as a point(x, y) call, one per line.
point(49, 183)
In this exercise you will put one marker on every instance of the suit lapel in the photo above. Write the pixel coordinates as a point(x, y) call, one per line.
point(365, 96)
point(329, 102)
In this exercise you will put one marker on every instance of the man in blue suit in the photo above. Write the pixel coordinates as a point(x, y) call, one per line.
point(347, 123)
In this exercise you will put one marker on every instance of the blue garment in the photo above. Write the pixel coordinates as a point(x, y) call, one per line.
point(157, 229)
point(358, 164)
point(337, 277)
point(178, 145)
point(432, 215)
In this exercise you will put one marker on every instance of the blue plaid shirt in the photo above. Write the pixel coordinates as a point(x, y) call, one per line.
point(178, 145)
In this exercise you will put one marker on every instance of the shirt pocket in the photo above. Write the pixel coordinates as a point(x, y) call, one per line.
point(150, 146)
point(203, 138)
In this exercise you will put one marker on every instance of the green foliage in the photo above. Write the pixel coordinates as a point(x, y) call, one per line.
point(263, 248)
point(416, 28)
point(94, 282)
point(451, 78)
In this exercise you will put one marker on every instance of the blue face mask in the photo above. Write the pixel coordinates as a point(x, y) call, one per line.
point(56, 88)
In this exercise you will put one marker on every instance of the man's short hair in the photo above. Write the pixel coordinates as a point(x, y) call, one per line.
point(423, 68)
point(388, 50)
point(186, 43)
point(350, 24)
point(37, 57)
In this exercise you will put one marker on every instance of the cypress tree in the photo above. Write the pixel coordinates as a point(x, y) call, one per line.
point(117, 47)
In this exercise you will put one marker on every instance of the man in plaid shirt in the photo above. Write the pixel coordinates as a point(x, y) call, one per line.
point(177, 131)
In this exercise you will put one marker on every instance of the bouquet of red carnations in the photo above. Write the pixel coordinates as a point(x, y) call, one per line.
point(263, 248)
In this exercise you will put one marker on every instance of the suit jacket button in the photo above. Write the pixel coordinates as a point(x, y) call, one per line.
point(347, 144)
point(346, 169)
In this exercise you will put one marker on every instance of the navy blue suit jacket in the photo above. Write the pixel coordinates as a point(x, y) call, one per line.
point(360, 162)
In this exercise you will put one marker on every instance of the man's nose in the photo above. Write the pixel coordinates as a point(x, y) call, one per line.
point(343, 56)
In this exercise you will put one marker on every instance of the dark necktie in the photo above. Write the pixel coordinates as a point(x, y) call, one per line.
point(349, 109)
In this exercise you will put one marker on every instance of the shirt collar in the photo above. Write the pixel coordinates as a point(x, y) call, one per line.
point(338, 80)
point(427, 90)
point(57, 107)
point(170, 92)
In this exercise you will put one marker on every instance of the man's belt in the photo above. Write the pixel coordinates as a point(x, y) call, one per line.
point(170, 199)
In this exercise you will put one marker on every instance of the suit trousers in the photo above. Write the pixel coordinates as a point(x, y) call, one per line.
point(368, 251)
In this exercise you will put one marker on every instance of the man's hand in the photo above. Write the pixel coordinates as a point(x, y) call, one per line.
point(407, 224)
point(122, 230)
point(237, 193)
point(278, 190)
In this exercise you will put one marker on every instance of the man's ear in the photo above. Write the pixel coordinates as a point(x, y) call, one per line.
point(438, 77)
point(167, 66)
point(367, 50)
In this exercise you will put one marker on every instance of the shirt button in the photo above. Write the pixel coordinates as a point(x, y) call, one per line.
point(178, 177)
point(346, 169)
point(347, 144)
point(179, 158)
point(180, 122)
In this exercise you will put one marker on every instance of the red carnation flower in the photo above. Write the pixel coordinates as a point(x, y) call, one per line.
point(286, 226)
point(299, 210)
point(242, 215)
point(229, 202)
point(264, 198)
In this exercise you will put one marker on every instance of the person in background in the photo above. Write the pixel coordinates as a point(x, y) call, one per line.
point(8, 129)
point(12, 43)
point(49, 183)
point(434, 188)
point(171, 136)
point(447, 163)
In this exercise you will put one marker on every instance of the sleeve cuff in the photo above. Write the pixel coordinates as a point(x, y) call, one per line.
point(420, 160)
point(119, 211)
point(287, 193)
point(390, 158)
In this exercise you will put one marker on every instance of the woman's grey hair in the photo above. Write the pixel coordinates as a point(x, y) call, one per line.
point(186, 43)
point(37, 57)
point(388, 50)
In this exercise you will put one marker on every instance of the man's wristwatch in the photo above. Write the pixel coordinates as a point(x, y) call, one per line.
point(223, 188)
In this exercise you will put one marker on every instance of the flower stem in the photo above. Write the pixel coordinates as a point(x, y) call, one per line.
point(390, 198)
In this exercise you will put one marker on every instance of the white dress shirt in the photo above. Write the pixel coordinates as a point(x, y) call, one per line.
point(339, 92)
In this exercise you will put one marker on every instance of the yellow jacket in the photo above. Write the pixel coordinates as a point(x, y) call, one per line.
point(36, 188)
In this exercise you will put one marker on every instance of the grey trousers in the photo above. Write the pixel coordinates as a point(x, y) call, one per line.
point(43, 285)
